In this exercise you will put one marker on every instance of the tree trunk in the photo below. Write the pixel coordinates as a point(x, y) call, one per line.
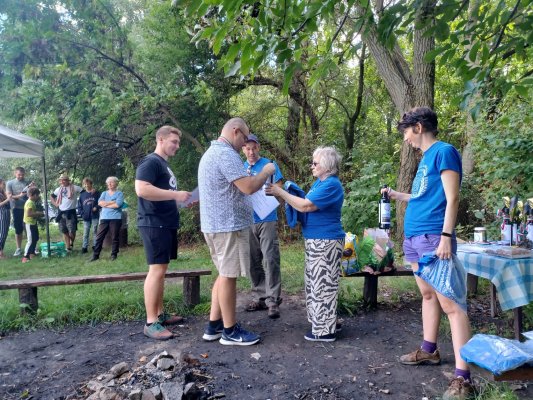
point(470, 129)
point(407, 89)
point(293, 125)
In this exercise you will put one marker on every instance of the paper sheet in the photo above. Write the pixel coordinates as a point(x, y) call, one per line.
point(195, 196)
point(263, 204)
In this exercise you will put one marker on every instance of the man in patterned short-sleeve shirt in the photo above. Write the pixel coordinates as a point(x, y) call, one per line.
point(226, 215)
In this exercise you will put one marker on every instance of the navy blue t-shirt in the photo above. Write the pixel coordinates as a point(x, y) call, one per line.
point(157, 214)
point(427, 205)
point(86, 202)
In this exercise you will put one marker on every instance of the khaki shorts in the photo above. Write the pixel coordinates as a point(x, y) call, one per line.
point(230, 252)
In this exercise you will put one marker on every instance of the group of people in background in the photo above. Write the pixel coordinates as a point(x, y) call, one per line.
point(24, 199)
point(100, 211)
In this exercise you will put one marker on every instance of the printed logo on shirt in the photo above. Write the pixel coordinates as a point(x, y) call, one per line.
point(172, 181)
point(420, 183)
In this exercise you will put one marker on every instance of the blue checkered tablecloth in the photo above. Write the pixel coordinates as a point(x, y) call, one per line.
point(513, 278)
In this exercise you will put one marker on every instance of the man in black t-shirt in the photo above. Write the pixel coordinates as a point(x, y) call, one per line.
point(158, 223)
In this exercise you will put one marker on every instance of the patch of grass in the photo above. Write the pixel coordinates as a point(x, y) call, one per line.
point(495, 391)
point(350, 296)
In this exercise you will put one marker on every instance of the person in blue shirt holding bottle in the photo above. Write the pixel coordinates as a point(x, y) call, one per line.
point(264, 273)
point(429, 226)
point(110, 202)
point(323, 240)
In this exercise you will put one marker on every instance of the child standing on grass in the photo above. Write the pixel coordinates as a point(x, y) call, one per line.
point(30, 220)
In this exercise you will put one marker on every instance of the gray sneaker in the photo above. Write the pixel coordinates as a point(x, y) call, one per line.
point(157, 331)
point(17, 253)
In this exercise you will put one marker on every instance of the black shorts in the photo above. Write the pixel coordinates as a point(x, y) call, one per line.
point(160, 244)
point(18, 220)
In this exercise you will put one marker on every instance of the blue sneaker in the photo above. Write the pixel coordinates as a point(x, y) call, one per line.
point(239, 337)
point(324, 338)
point(211, 334)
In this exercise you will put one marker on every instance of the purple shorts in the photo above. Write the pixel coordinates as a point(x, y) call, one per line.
point(415, 247)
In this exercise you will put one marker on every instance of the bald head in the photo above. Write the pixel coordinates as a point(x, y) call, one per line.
point(236, 132)
point(235, 123)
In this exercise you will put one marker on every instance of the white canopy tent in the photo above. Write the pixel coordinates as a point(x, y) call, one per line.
point(14, 144)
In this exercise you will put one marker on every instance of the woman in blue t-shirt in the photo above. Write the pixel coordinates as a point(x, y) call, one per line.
point(429, 227)
point(110, 202)
point(324, 241)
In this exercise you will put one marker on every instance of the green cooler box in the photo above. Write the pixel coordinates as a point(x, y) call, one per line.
point(56, 249)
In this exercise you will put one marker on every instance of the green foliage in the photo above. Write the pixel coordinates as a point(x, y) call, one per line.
point(503, 149)
point(249, 35)
point(350, 298)
point(495, 391)
point(93, 88)
point(360, 209)
point(490, 67)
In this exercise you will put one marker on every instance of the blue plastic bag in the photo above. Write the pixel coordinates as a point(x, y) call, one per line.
point(497, 354)
point(448, 277)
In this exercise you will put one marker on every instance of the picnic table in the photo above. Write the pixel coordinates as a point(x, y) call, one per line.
point(510, 272)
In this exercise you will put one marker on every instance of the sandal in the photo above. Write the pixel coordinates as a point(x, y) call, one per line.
point(256, 306)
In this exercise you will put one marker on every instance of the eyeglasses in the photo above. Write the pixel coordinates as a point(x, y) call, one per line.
point(242, 133)
point(314, 164)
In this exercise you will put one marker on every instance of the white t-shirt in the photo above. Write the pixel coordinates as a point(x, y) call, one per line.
point(68, 203)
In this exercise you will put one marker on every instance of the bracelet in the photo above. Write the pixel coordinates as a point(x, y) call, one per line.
point(446, 234)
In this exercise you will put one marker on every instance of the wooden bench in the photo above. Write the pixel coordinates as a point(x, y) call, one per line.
point(370, 289)
point(518, 374)
point(28, 287)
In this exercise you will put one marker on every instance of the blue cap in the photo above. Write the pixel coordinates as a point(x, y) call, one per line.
point(252, 138)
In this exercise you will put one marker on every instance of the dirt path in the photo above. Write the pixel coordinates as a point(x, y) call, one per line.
point(361, 364)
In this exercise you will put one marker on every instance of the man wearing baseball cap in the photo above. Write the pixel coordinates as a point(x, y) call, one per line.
point(65, 198)
point(264, 271)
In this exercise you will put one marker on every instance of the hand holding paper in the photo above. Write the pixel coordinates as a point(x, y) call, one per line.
point(189, 199)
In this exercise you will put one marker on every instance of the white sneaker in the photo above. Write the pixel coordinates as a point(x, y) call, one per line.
point(17, 253)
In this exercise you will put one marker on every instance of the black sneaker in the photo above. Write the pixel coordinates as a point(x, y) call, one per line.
point(83, 250)
point(94, 258)
point(239, 337)
point(324, 338)
point(211, 334)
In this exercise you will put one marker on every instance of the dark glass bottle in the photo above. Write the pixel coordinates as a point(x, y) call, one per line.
point(384, 210)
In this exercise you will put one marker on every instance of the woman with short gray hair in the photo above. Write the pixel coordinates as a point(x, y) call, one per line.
point(111, 202)
point(324, 241)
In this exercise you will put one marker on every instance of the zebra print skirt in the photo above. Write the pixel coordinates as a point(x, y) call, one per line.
point(322, 271)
